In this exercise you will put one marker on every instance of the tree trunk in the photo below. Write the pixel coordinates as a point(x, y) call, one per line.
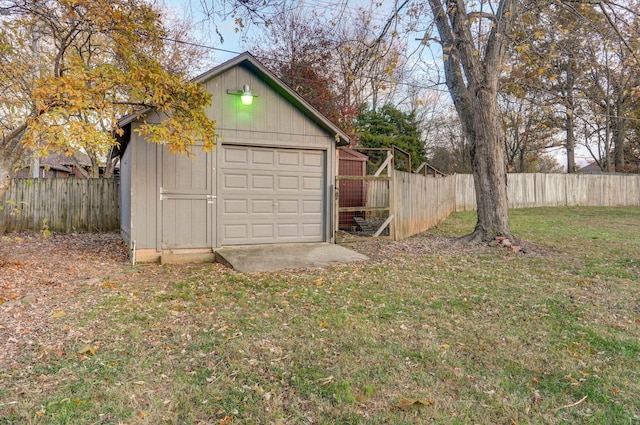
point(571, 142)
point(619, 136)
point(5, 169)
point(472, 79)
point(11, 150)
point(483, 130)
point(569, 121)
point(8, 157)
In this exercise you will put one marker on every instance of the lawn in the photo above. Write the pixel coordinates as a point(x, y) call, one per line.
point(426, 332)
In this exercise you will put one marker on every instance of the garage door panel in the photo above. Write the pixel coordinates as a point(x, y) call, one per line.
point(262, 156)
point(287, 230)
point(288, 182)
point(262, 231)
point(313, 159)
point(312, 183)
point(312, 230)
point(289, 207)
point(271, 195)
point(262, 182)
point(235, 181)
point(236, 206)
point(261, 206)
point(311, 207)
point(236, 156)
point(291, 159)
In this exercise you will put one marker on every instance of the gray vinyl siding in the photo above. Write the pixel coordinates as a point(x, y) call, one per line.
point(125, 195)
point(144, 192)
point(270, 121)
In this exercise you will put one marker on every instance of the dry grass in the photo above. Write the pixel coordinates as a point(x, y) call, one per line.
point(427, 332)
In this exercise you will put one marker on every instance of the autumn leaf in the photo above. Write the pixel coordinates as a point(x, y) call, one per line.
point(58, 314)
point(87, 350)
point(408, 403)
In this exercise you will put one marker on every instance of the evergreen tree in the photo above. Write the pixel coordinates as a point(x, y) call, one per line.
point(389, 126)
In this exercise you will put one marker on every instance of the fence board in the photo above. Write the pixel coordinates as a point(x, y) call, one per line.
point(420, 202)
point(64, 204)
point(465, 192)
point(555, 190)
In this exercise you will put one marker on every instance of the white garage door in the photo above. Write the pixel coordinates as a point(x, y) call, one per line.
point(269, 195)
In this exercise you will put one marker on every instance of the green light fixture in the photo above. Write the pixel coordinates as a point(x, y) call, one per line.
point(246, 97)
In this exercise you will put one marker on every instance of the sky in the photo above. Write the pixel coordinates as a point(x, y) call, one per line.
point(233, 40)
point(204, 34)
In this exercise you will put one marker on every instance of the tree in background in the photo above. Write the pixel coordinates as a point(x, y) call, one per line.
point(388, 127)
point(576, 62)
point(612, 76)
point(447, 146)
point(527, 135)
point(69, 70)
point(300, 51)
point(337, 67)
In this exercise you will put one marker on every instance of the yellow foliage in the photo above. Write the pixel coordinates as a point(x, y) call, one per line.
point(97, 60)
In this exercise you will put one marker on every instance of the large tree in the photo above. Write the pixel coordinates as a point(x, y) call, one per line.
point(472, 68)
point(70, 69)
point(474, 37)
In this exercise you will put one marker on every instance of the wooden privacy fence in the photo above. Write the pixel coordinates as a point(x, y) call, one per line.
point(416, 203)
point(419, 203)
point(558, 190)
point(61, 205)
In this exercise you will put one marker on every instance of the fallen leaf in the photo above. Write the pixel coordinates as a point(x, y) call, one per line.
point(58, 314)
point(87, 350)
point(408, 403)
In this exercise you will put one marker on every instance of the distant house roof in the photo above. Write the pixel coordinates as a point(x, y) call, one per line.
point(59, 161)
point(352, 155)
point(591, 168)
point(250, 62)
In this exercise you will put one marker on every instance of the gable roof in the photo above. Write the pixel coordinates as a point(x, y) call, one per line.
point(59, 160)
point(248, 61)
point(591, 168)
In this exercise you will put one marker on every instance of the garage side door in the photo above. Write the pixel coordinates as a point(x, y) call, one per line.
point(187, 198)
point(269, 195)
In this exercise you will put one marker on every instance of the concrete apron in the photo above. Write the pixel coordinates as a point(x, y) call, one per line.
point(267, 258)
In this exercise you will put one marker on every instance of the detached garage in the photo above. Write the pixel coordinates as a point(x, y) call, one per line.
point(269, 180)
